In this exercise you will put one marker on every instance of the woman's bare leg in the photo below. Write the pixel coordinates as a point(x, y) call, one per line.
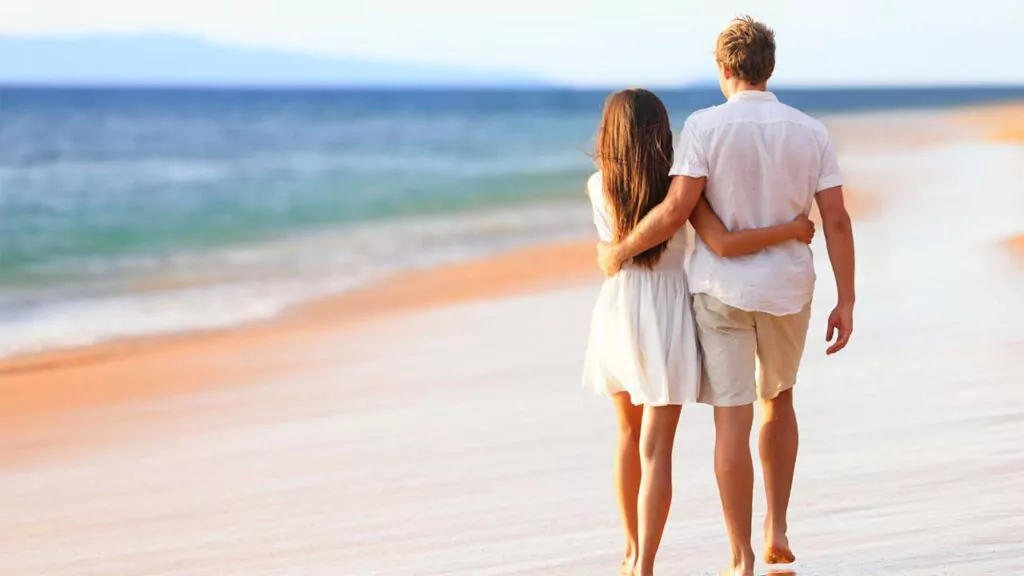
point(627, 473)
point(657, 436)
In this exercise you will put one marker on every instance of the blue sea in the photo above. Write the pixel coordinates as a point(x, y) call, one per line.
point(127, 212)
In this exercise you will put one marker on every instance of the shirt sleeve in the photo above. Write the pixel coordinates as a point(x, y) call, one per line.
point(829, 175)
point(690, 157)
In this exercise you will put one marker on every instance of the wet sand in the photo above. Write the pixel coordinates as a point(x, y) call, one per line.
point(433, 423)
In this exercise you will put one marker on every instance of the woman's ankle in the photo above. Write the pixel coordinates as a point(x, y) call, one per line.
point(630, 556)
point(743, 556)
point(639, 570)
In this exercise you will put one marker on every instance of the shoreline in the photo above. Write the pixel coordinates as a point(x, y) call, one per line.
point(515, 270)
point(111, 372)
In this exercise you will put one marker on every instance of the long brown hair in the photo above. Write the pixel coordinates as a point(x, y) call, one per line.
point(634, 152)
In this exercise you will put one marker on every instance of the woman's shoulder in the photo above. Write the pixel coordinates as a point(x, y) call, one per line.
point(594, 188)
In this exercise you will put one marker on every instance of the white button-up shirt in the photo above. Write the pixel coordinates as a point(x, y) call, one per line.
point(764, 162)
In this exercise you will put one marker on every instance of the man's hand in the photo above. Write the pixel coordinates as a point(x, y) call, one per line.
point(659, 225)
point(608, 258)
point(840, 325)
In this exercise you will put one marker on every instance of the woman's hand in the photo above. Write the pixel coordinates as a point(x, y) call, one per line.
point(803, 229)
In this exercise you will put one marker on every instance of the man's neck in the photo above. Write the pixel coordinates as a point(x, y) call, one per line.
point(747, 87)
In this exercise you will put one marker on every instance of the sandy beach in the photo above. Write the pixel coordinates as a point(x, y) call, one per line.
point(432, 423)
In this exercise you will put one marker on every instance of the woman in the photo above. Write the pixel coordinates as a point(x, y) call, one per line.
point(643, 349)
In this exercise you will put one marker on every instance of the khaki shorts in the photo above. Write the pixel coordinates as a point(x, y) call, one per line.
point(734, 342)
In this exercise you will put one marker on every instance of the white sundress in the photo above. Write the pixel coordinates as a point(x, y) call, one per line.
point(642, 335)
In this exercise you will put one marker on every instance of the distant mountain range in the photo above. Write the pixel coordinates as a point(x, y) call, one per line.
point(161, 60)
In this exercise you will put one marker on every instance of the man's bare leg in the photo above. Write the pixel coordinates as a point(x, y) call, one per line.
point(778, 442)
point(734, 471)
point(656, 440)
point(627, 474)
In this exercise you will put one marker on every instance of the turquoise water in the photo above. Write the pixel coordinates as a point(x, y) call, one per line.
point(126, 212)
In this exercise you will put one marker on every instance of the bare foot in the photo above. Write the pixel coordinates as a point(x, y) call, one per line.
point(776, 550)
point(626, 568)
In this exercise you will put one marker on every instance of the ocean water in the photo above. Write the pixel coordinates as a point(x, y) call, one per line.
point(129, 212)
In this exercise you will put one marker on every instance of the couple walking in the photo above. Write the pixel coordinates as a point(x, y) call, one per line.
point(744, 174)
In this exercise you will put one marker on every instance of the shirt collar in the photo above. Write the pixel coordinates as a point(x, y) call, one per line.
point(754, 96)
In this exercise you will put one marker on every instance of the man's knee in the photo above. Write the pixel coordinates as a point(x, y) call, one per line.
point(730, 419)
point(778, 408)
point(732, 439)
point(732, 425)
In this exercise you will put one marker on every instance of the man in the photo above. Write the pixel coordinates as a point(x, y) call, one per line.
point(758, 162)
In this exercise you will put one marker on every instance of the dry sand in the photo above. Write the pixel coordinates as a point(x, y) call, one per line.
point(431, 424)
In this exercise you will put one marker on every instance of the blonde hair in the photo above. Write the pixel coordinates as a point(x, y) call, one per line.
point(746, 48)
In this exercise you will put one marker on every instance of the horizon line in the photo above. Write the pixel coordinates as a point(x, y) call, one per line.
point(497, 86)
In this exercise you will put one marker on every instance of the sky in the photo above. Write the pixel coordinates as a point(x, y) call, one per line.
point(586, 43)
